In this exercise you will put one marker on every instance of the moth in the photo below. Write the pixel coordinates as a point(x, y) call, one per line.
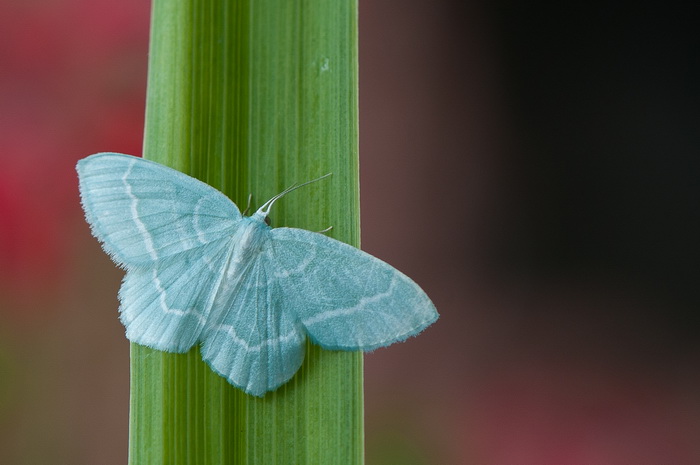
point(199, 272)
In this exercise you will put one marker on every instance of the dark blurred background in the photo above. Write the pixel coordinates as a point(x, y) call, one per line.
point(533, 166)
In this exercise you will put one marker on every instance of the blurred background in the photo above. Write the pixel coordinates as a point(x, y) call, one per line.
point(533, 166)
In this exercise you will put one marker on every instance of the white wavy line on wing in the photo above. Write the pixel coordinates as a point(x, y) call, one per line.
point(134, 213)
point(230, 330)
point(176, 311)
point(364, 301)
point(299, 268)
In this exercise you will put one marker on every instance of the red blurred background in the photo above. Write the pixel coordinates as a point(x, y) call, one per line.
point(533, 166)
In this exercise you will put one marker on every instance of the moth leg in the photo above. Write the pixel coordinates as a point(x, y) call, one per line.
point(323, 231)
point(247, 208)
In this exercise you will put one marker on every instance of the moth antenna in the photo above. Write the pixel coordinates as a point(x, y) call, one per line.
point(323, 231)
point(265, 208)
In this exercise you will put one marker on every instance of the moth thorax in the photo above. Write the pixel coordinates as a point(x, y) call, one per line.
point(249, 239)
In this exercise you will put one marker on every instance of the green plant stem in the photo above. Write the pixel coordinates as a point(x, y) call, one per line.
point(250, 97)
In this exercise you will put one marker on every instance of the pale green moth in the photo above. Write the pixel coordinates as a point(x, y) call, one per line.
point(197, 271)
